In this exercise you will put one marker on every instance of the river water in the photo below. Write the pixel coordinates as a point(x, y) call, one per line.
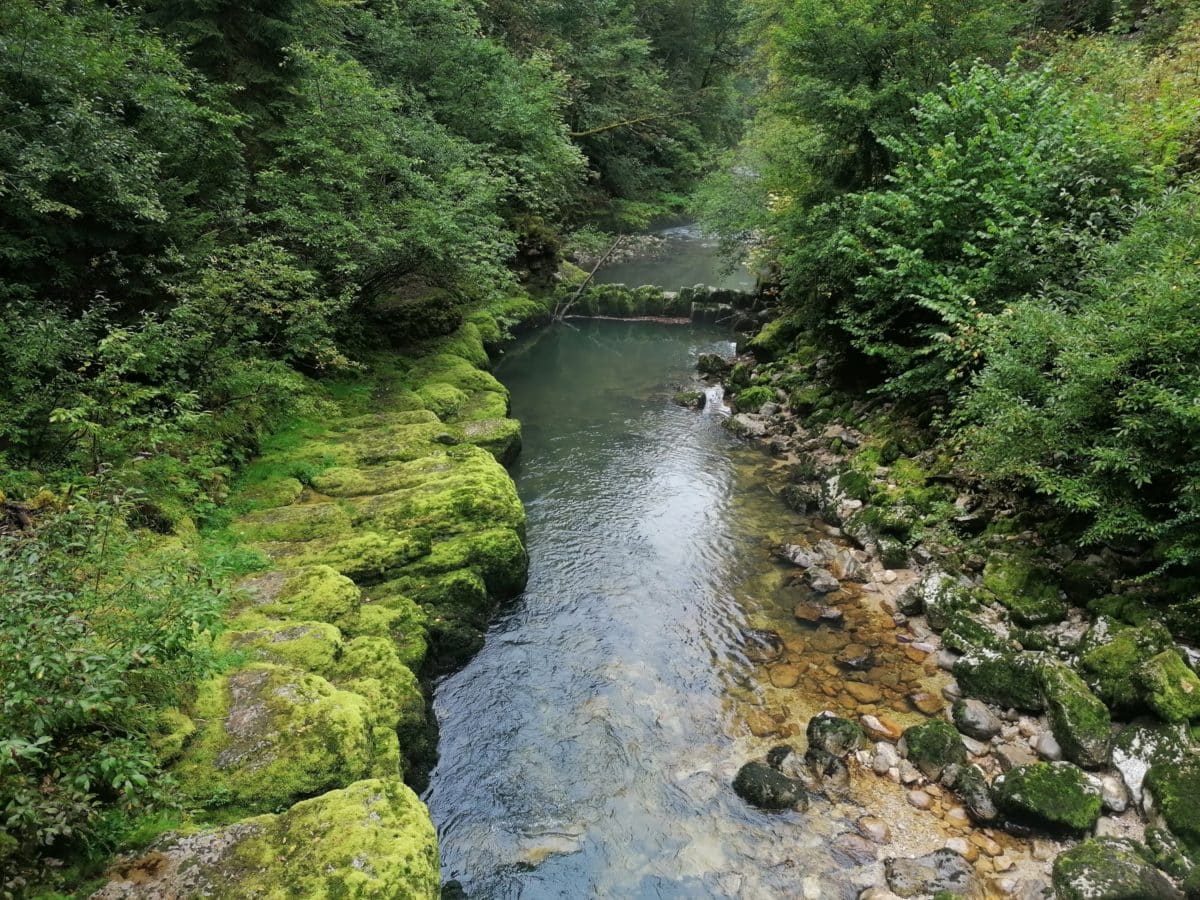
point(589, 748)
point(685, 257)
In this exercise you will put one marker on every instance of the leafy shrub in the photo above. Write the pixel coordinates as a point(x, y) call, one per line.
point(99, 630)
point(1092, 400)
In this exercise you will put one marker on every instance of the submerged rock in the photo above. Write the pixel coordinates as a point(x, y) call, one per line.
point(1057, 796)
point(691, 399)
point(762, 786)
point(1110, 869)
point(942, 870)
point(833, 734)
point(372, 840)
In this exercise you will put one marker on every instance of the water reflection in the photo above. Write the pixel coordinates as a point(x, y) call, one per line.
point(686, 257)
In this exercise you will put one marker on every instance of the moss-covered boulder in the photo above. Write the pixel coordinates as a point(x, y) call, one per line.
point(311, 593)
point(1003, 678)
point(1024, 588)
point(691, 399)
point(1057, 796)
point(1079, 720)
point(269, 735)
point(1111, 666)
point(940, 597)
point(373, 839)
point(762, 786)
point(1171, 689)
point(833, 734)
point(1110, 868)
point(1146, 743)
point(751, 399)
point(934, 745)
point(1175, 788)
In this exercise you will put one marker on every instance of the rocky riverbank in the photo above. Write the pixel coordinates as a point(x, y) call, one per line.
point(388, 531)
point(1049, 749)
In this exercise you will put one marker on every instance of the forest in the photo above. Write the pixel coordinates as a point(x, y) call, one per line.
point(212, 214)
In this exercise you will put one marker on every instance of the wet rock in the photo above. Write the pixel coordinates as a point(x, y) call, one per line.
point(822, 580)
point(784, 675)
point(1057, 796)
point(933, 745)
point(1110, 869)
point(862, 692)
point(942, 870)
point(927, 703)
point(834, 735)
point(856, 657)
point(853, 849)
point(971, 785)
point(763, 645)
point(761, 724)
point(879, 728)
point(845, 566)
point(747, 425)
point(827, 770)
point(874, 829)
point(1078, 718)
point(691, 399)
point(818, 614)
point(973, 718)
point(798, 555)
point(1140, 745)
point(762, 786)
point(713, 364)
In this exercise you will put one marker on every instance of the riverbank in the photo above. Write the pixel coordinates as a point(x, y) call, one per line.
point(1064, 709)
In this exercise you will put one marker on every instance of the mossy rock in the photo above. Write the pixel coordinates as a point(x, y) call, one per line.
point(1171, 689)
point(940, 597)
point(280, 490)
point(760, 785)
point(1141, 745)
point(372, 840)
point(1057, 796)
point(833, 734)
point(362, 481)
point(855, 485)
point(1175, 788)
point(482, 406)
point(397, 442)
point(1111, 668)
point(497, 555)
point(364, 556)
point(1183, 619)
point(1025, 589)
point(741, 375)
point(1168, 853)
point(751, 399)
point(775, 338)
point(298, 522)
point(966, 633)
point(314, 593)
point(270, 735)
point(1109, 868)
point(314, 646)
point(441, 399)
point(397, 617)
point(1006, 679)
point(169, 732)
point(1079, 720)
point(499, 437)
point(934, 745)
point(893, 554)
point(690, 399)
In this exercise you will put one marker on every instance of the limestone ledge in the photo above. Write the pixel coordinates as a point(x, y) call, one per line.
point(391, 534)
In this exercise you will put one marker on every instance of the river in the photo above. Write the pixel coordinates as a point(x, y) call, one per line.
point(588, 749)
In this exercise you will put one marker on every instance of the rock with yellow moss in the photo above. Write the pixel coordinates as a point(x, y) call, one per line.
point(372, 840)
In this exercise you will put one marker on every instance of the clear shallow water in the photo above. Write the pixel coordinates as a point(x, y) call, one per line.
point(686, 258)
point(589, 747)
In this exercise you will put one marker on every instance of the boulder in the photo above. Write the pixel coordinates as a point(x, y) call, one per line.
point(1079, 720)
point(1171, 689)
point(833, 734)
point(1143, 744)
point(938, 596)
point(1110, 868)
point(974, 719)
point(713, 364)
point(691, 399)
point(762, 786)
point(1057, 796)
point(373, 839)
point(933, 745)
point(1004, 678)
point(1024, 588)
point(971, 785)
point(940, 871)
point(1110, 662)
point(1175, 788)
point(822, 580)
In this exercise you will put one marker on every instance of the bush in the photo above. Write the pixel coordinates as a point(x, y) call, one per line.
point(100, 630)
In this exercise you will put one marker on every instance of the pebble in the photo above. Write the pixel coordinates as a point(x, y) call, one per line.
point(956, 815)
point(1028, 727)
point(1003, 863)
point(886, 758)
point(986, 844)
point(964, 848)
point(945, 659)
point(908, 772)
point(1013, 755)
point(929, 704)
point(952, 691)
point(784, 676)
point(877, 893)
point(863, 693)
point(920, 799)
point(875, 829)
point(879, 728)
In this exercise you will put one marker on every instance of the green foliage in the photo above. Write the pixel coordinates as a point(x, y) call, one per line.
point(101, 629)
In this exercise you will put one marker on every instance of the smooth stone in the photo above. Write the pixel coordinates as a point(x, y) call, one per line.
point(920, 799)
point(881, 728)
point(862, 692)
point(909, 773)
point(886, 757)
point(1047, 747)
point(784, 675)
point(974, 719)
point(762, 786)
point(926, 703)
point(1113, 794)
point(856, 657)
point(942, 870)
point(1011, 756)
point(963, 848)
point(875, 829)
point(857, 849)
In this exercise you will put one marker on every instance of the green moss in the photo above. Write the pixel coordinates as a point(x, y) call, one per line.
point(343, 481)
point(483, 406)
point(1175, 787)
point(467, 344)
point(270, 735)
point(169, 732)
point(775, 338)
point(933, 745)
point(441, 399)
point(690, 399)
point(314, 646)
point(740, 375)
point(1171, 689)
point(363, 556)
point(1109, 868)
point(398, 618)
point(855, 485)
point(397, 442)
point(316, 593)
point(273, 490)
point(1024, 588)
point(299, 522)
point(1007, 679)
point(751, 399)
point(1111, 667)
point(376, 659)
point(965, 633)
point(500, 437)
point(1053, 795)
point(1079, 720)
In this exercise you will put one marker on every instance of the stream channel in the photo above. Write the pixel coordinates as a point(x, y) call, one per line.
point(588, 749)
